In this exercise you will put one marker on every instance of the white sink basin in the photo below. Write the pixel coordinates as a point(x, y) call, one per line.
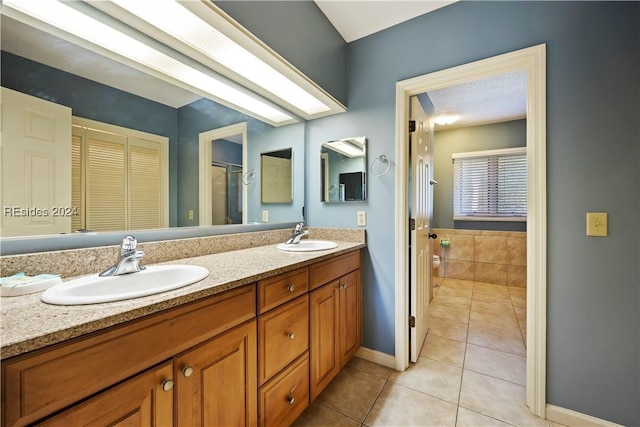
point(308, 246)
point(95, 289)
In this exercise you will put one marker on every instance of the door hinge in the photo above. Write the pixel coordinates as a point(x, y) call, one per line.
point(412, 321)
point(412, 125)
point(412, 224)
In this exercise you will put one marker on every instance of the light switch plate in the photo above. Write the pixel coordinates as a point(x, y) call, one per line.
point(597, 224)
point(190, 214)
point(362, 218)
point(265, 216)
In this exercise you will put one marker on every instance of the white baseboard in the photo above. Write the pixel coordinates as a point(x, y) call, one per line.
point(575, 419)
point(378, 357)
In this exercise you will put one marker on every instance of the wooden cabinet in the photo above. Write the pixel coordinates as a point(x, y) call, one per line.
point(335, 318)
point(216, 381)
point(143, 401)
point(37, 384)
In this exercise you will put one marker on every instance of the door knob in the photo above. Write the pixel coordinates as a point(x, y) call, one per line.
point(291, 335)
point(187, 371)
point(433, 236)
point(291, 288)
point(167, 385)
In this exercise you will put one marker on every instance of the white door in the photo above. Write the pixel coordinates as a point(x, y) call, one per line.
point(36, 166)
point(421, 208)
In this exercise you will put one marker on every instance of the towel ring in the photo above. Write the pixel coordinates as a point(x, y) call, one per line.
point(382, 159)
point(248, 177)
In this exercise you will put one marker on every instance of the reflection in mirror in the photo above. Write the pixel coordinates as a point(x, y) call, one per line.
point(275, 176)
point(343, 166)
point(226, 180)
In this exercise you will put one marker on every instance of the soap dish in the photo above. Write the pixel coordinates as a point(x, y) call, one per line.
point(20, 284)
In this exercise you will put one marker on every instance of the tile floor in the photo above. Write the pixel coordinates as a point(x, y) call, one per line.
point(471, 371)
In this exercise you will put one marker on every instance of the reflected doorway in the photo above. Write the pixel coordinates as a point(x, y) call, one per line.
point(226, 193)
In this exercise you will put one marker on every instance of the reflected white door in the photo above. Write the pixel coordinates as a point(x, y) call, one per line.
point(421, 208)
point(218, 195)
point(36, 166)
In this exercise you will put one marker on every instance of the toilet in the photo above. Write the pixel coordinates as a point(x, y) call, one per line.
point(436, 261)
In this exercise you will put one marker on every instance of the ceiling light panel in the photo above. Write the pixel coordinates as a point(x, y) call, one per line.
point(202, 31)
point(78, 27)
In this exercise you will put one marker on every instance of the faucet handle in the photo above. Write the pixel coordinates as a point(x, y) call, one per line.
point(298, 227)
point(129, 243)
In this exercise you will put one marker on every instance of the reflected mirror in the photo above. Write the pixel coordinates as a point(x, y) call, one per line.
point(105, 91)
point(276, 176)
point(343, 166)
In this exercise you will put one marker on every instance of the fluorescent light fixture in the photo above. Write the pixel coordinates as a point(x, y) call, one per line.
point(182, 24)
point(350, 147)
point(446, 119)
point(87, 28)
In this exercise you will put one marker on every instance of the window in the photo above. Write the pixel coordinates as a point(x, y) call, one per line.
point(490, 185)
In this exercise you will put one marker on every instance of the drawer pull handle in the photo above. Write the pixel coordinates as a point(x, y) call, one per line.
point(291, 399)
point(291, 335)
point(167, 385)
point(187, 371)
point(291, 288)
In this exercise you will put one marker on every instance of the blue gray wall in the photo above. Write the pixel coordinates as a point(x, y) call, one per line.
point(96, 101)
point(226, 152)
point(593, 164)
point(475, 138)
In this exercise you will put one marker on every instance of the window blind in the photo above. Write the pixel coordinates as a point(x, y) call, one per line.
point(490, 185)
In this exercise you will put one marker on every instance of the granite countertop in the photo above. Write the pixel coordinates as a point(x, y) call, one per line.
point(28, 324)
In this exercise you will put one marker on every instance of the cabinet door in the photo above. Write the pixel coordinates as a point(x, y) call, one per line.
point(146, 400)
point(216, 381)
point(324, 348)
point(350, 316)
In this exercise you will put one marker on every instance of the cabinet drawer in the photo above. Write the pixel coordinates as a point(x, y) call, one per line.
point(282, 288)
point(285, 397)
point(326, 271)
point(40, 383)
point(283, 335)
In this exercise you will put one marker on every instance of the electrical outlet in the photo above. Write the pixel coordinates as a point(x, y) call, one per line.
point(190, 214)
point(265, 216)
point(597, 224)
point(362, 218)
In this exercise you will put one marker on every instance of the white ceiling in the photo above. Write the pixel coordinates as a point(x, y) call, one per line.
point(492, 100)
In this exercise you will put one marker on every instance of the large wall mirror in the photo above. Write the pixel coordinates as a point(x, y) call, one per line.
point(276, 169)
point(343, 167)
point(38, 64)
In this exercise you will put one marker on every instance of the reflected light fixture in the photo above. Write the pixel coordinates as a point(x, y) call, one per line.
point(350, 147)
point(75, 26)
point(446, 119)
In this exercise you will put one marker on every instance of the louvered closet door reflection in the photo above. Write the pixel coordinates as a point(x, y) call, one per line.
point(106, 181)
point(145, 192)
point(77, 193)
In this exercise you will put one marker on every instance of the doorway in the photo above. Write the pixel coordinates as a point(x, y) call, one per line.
point(533, 61)
point(226, 185)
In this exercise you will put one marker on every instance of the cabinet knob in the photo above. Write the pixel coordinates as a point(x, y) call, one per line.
point(291, 335)
point(167, 385)
point(187, 371)
point(291, 287)
point(291, 399)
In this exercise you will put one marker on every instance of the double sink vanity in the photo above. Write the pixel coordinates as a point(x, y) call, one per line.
point(253, 343)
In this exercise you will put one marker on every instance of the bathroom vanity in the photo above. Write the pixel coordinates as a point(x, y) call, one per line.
point(249, 345)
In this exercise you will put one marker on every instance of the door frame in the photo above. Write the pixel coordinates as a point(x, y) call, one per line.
point(204, 156)
point(533, 60)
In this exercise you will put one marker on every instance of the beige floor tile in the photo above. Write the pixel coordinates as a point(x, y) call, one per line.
point(370, 367)
point(452, 301)
point(402, 406)
point(519, 301)
point(490, 296)
point(318, 415)
point(467, 418)
point(483, 287)
point(448, 329)
point(352, 392)
point(466, 285)
point(497, 339)
point(448, 291)
point(449, 313)
point(517, 291)
point(499, 399)
point(508, 323)
point(500, 308)
point(434, 378)
point(506, 366)
point(443, 350)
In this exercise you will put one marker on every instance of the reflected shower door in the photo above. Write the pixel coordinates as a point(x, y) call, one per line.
point(226, 188)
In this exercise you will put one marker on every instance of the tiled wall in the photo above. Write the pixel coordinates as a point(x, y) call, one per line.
point(498, 257)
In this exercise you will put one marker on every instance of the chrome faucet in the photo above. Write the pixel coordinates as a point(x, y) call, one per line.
point(296, 234)
point(128, 261)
